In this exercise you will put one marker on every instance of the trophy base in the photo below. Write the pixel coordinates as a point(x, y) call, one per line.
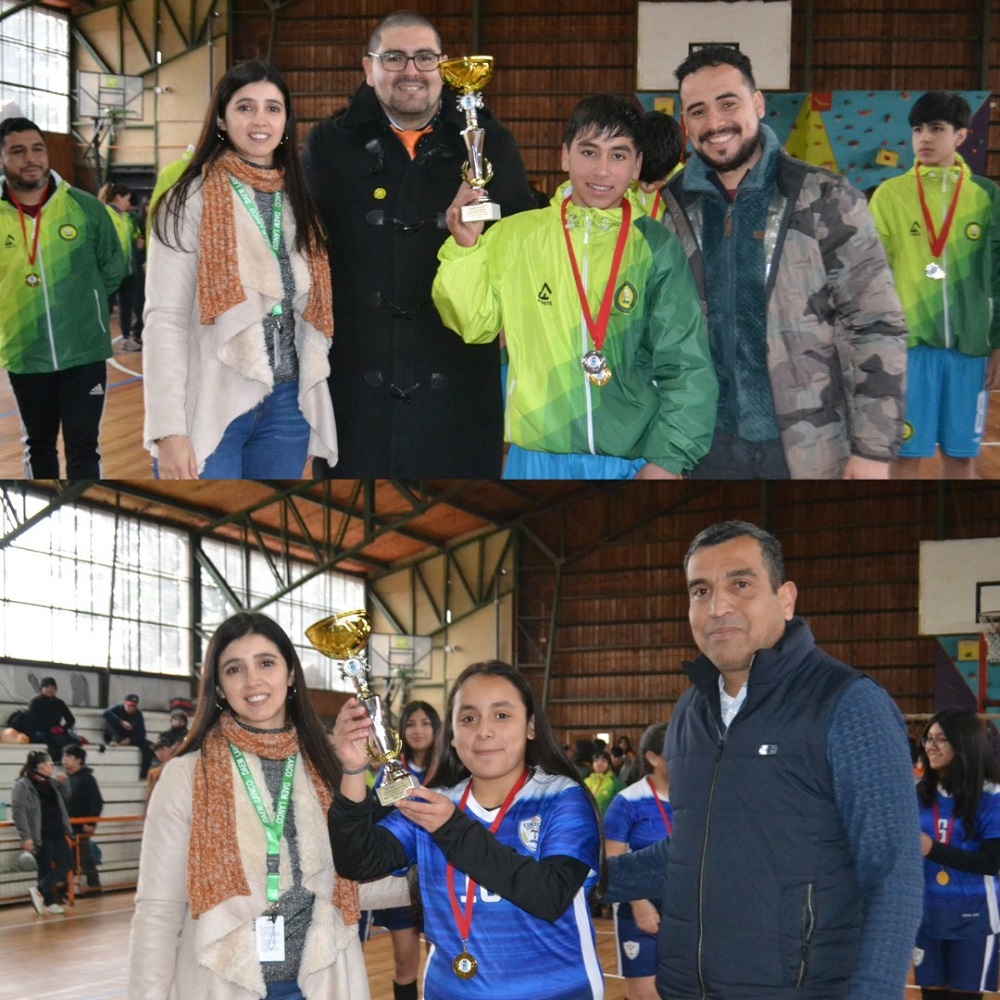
point(481, 211)
point(393, 789)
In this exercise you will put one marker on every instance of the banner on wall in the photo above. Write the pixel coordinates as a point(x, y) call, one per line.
point(862, 134)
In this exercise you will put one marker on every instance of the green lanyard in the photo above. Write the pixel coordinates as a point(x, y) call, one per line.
point(273, 830)
point(273, 240)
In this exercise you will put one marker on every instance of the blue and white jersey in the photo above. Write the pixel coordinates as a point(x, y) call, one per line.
point(518, 955)
point(635, 819)
point(966, 905)
point(416, 770)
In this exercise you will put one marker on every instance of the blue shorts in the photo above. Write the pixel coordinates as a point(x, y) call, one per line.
point(945, 403)
point(524, 464)
point(636, 948)
point(963, 964)
point(398, 918)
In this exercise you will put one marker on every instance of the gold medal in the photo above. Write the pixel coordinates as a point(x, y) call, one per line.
point(464, 966)
point(942, 877)
point(32, 280)
point(596, 367)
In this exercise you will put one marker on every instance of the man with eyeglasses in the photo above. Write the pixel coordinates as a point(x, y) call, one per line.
point(793, 869)
point(411, 399)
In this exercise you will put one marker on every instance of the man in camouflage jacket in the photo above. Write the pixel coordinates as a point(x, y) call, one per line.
point(806, 330)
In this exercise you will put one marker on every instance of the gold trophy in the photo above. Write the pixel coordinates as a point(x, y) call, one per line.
point(468, 75)
point(343, 637)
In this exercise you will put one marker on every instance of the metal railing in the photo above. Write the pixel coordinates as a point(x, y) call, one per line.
point(117, 837)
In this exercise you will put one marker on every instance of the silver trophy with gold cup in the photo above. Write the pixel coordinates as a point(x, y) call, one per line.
point(469, 75)
point(343, 637)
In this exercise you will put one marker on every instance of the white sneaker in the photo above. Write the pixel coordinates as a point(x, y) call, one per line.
point(55, 908)
point(37, 901)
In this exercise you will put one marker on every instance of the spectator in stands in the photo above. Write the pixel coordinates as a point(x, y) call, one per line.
point(52, 720)
point(162, 752)
point(38, 803)
point(583, 755)
point(85, 801)
point(178, 730)
point(124, 726)
point(603, 783)
point(631, 769)
point(209, 922)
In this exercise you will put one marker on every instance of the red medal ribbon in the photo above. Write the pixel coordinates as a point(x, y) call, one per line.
point(938, 240)
point(656, 204)
point(937, 825)
point(599, 329)
point(33, 251)
point(659, 805)
point(463, 920)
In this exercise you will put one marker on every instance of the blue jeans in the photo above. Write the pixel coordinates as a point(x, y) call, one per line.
point(268, 442)
point(284, 990)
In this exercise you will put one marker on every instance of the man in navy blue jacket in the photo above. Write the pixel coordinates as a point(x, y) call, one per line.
point(794, 867)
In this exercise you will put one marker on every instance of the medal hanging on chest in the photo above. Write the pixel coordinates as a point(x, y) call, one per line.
point(32, 279)
point(937, 240)
point(465, 966)
point(593, 361)
point(942, 877)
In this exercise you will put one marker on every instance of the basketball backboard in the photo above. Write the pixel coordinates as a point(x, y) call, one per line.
point(959, 580)
point(103, 95)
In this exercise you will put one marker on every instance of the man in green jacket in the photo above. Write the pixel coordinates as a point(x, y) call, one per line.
point(59, 261)
point(610, 375)
point(940, 225)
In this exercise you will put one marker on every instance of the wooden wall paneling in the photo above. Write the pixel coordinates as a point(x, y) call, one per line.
point(621, 627)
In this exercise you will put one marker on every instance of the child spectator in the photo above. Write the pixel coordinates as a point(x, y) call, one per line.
point(178, 730)
point(602, 781)
point(629, 394)
point(940, 225)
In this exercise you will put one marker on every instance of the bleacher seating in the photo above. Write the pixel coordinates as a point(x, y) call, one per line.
point(117, 772)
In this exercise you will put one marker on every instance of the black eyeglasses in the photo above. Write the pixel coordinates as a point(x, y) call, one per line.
point(395, 61)
point(935, 741)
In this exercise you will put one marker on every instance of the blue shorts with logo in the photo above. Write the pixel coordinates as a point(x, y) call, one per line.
point(945, 403)
point(636, 948)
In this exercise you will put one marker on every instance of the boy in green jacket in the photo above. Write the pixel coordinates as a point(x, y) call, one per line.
point(610, 375)
point(940, 225)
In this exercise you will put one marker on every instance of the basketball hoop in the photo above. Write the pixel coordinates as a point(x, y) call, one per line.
point(990, 641)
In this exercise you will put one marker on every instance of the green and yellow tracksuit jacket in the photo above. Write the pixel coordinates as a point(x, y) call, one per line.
point(62, 321)
point(127, 232)
point(660, 402)
point(957, 311)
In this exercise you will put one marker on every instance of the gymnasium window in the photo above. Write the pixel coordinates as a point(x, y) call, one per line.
point(254, 579)
point(90, 588)
point(34, 65)
point(87, 588)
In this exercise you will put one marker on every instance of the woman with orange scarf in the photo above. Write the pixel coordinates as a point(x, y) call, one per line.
point(239, 315)
point(237, 895)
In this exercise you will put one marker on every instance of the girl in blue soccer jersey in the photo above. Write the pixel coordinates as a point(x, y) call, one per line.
point(419, 724)
point(638, 816)
point(508, 845)
point(959, 794)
